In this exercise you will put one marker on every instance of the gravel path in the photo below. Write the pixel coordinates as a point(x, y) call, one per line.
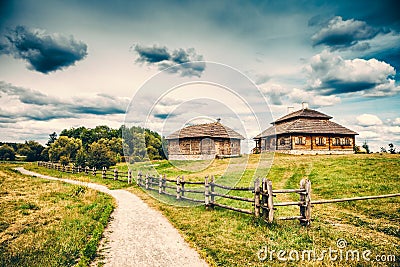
point(138, 235)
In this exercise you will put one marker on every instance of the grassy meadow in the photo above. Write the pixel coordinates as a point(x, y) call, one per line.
point(227, 238)
point(47, 223)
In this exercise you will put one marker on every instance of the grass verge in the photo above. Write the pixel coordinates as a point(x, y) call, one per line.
point(47, 223)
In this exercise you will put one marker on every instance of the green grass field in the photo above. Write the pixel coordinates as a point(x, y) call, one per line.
point(227, 238)
point(47, 223)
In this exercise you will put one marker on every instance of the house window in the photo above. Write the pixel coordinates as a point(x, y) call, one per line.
point(320, 141)
point(336, 141)
point(282, 141)
point(300, 140)
point(347, 141)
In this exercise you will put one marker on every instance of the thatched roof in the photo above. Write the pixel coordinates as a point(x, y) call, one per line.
point(305, 121)
point(211, 130)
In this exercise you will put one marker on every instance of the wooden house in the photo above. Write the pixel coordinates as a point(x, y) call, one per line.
point(203, 141)
point(306, 131)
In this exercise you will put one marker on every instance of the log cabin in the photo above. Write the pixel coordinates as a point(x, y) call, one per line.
point(203, 141)
point(306, 131)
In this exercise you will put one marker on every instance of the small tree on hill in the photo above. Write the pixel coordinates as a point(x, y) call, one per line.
point(392, 149)
point(365, 146)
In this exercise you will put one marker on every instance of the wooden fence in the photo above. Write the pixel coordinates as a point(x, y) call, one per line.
point(104, 172)
point(262, 198)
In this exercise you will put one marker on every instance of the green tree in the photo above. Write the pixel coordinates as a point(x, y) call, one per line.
point(81, 157)
point(32, 150)
point(7, 152)
point(45, 154)
point(52, 139)
point(65, 147)
point(100, 155)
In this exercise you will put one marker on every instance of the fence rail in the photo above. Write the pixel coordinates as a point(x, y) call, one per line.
point(262, 200)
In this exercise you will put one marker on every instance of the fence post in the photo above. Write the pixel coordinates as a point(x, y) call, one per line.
point(147, 181)
point(115, 174)
point(212, 187)
point(178, 188)
point(183, 186)
point(264, 199)
point(257, 197)
point(139, 179)
point(305, 210)
point(104, 173)
point(206, 193)
point(270, 201)
point(129, 176)
point(87, 170)
point(160, 183)
point(164, 182)
point(94, 171)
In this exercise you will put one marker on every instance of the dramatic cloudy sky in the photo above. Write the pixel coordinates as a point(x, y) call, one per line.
point(70, 63)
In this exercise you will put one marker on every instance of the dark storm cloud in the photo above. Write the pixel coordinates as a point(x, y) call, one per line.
point(41, 107)
point(152, 54)
point(186, 62)
point(339, 33)
point(163, 116)
point(337, 86)
point(44, 52)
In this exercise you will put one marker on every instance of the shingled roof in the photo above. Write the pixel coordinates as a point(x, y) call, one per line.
point(214, 129)
point(305, 121)
point(303, 113)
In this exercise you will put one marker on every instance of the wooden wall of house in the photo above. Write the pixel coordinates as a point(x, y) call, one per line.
point(173, 146)
point(225, 146)
point(189, 146)
point(197, 146)
point(284, 142)
point(312, 142)
point(235, 146)
point(267, 143)
point(308, 142)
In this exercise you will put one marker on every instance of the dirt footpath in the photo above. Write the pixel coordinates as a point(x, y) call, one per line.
point(138, 235)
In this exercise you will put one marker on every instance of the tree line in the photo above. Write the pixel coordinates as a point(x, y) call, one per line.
point(99, 147)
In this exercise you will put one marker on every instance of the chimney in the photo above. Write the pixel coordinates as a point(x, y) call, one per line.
point(304, 105)
point(218, 120)
point(290, 109)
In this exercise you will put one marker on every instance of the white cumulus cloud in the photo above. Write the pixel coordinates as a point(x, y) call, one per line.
point(329, 73)
point(368, 120)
